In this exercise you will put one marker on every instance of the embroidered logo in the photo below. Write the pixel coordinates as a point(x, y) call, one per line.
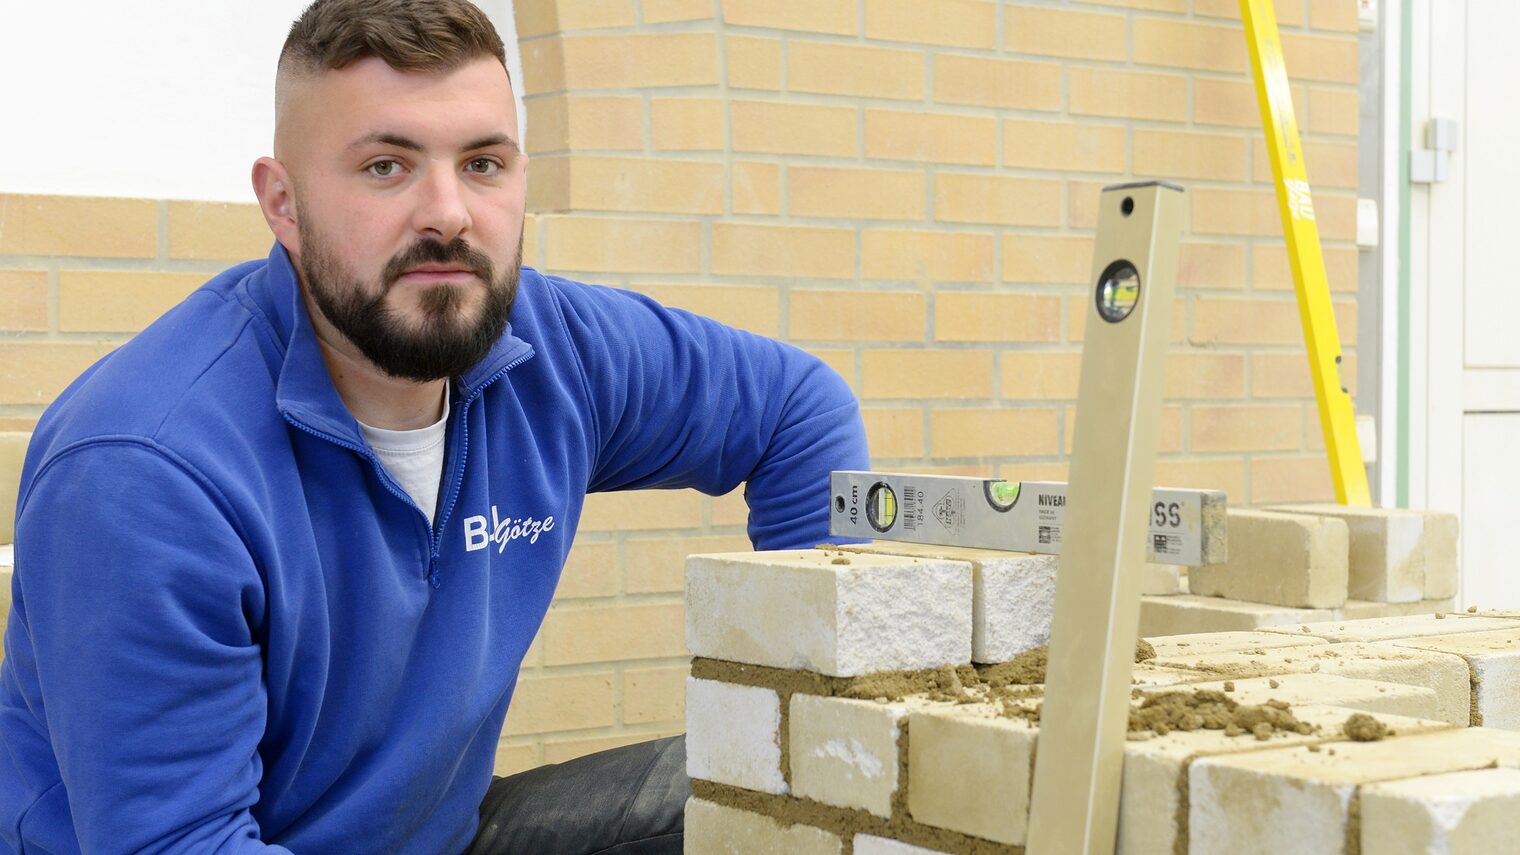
point(480, 532)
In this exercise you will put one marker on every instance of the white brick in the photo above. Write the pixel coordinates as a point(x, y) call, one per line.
point(968, 771)
point(867, 844)
point(1290, 560)
point(840, 615)
point(1189, 613)
point(1391, 549)
point(1458, 813)
point(1294, 800)
point(1363, 609)
point(714, 829)
point(1446, 674)
point(845, 752)
point(1393, 628)
point(1372, 696)
point(733, 735)
point(1494, 661)
point(1226, 642)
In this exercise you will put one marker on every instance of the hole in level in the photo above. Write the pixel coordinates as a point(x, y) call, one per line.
point(1127, 207)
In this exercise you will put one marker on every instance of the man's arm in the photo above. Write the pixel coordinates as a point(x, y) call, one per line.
point(683, 401)
point(136, 591)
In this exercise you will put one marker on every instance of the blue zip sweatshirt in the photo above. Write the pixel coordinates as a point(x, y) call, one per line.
point(233, 631)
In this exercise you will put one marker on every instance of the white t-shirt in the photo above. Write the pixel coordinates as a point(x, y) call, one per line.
point(413, 457)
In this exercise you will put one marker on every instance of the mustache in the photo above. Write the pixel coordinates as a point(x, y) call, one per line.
point(426, 251)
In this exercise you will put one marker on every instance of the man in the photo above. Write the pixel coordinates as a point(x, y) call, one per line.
point(280, 556)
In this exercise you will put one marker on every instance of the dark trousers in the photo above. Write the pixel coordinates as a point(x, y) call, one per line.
point(627, 801)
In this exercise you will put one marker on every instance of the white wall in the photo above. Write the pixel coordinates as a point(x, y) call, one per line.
point(169, 99)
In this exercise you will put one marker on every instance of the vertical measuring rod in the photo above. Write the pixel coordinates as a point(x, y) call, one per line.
point(1078, 767)
point(1337, 415)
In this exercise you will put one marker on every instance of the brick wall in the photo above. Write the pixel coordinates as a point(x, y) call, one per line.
point(906, 189)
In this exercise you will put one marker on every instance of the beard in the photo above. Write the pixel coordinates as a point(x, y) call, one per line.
point(447, 341)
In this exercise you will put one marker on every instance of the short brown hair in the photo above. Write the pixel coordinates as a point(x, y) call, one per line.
point(409, 35)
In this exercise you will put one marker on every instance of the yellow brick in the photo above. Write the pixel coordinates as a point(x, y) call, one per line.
point(1227, 474)
point(218, 231)
point(116, 301)
point(658, 565)
point(1008, 83)
point(670, 11)
point(1065, 146)
point(938, 138)
point(21, 423)
point(756, 187)
point(1286, 375)
point(613, 633)
point(838, 17)
point(512, 759)
point(561, 751)
point(642, 509)
point(953, 23)
point(1179, 44)
point(599, 244)
point(654, 694)
point(894, 432)
point(993, 431)
point(1334, 111)
point(590, 571)
point(753, 63)
point(542, 17)
point(753, 250)
point(1205, 375)
point(79, 226)
point(1082, 201)
point(843, 363)
point(1036, 258)
point(1270, 270)
point(1247, 428)
point(756, 308)
point(1332, 59)
point(856, 315)
point(561, 123)
point(864, 72)
point(1057, 32)
point(570, 702)
point(1211, 265)
point(587, 183)
point(638, 61)
point(1290, 479)
point(1328, 164)
point(1255, 212)
point(997, 200)
point(919, 373)
point(1189, 154)
point(926, 256)
point(35, 372)
point(543, 63)
point(770, 128)
point(1288, 14)
point(986, 316)
point(858, 194)
point(530, 240)
point(1079, 307)
point(1040, 374)
point(1169, 438)
point(1128, 94)
point(686, 124)
point(23, 300)
point(1153, 5)
point(1233, 102)
point(1238, 321)
point(1335, 15)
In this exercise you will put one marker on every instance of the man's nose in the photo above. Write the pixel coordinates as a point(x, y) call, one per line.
point(443, 212)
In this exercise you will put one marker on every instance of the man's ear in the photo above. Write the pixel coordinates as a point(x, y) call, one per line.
point(271, 183)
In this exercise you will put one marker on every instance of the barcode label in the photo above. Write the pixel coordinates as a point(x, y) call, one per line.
point(912, 508)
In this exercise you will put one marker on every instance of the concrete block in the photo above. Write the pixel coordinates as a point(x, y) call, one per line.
point(1392, 628)
point(1187, 613)
point(1363, 609)
point(866, 844)
point(1226, 642)
point(1457, 813)
point(1292, 560)
point(1386, 558)
point(1447, 674)
point(1295, 800)
point(1145, 674)
point(1152, 810)
point(845, 752)
point(714, 829)
point(823, 611)
point(733, 735)
point(1493, 660)
point(1371, 696)
point(969, 771)
point(1013, 594)
point(1442, 567)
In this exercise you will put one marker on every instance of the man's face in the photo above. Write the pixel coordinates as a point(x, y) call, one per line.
point(409, 195)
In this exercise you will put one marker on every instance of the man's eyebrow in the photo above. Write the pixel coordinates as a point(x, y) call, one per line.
point(493, 140)
point(399, 141)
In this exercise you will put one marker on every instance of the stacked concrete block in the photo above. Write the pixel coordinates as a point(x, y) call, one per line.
point(733, 735)
point(1192, 613)
point(1225, 642)
point(1372, 696)
point(1293, 560)
point(721, 830)
point(1390, 628)
point(1493, 661)
point(1458, 813)
point(1396, 555)
point(845, 752)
